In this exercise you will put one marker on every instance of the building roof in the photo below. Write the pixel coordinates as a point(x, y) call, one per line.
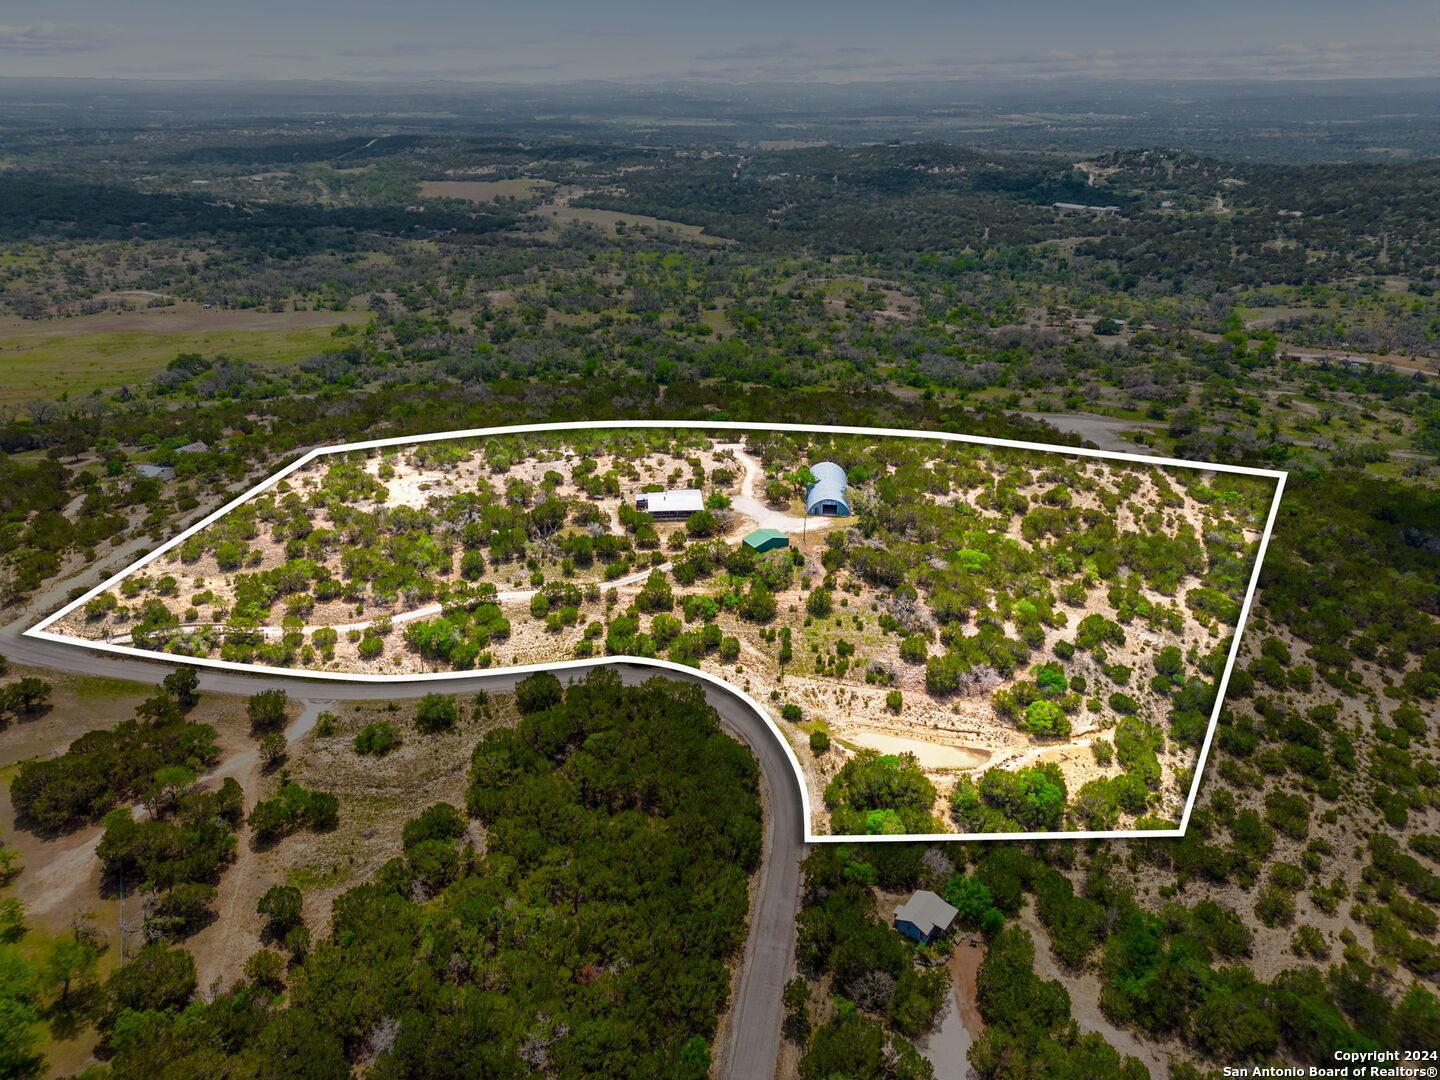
point(193, 448)
point(761, 536)
point(830, 484)
point(684, 500)
point(927, 912)
point(156, 472)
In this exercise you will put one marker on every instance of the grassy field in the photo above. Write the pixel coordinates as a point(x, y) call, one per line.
point(42, 362)
point(485, 190)
point(607, 220)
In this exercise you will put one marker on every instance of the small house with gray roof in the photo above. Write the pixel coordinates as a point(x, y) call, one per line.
point(925, 916)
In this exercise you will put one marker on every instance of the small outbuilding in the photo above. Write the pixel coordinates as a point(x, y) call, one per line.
point(924, 917)
point(671, 505)
point(829, 495)
point(198, 447)
point(763, 540)
point(1082, 208)
point(163, 473)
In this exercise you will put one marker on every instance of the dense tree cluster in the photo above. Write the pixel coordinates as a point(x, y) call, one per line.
point(881, 794)
point(293, 807)
point(885, 996)
point(590, 938)
point(1030, 799)
point(111, 765)
point(178, 857)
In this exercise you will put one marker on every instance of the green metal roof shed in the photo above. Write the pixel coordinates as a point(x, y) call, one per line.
point(766, 540)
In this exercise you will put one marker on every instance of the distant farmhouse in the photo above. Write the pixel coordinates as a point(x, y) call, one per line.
point(163, 473)
point(193, 448)
point(830, 494)
point(762, 540)
point(1081, 208)
point(671, 505)
point(924, 917)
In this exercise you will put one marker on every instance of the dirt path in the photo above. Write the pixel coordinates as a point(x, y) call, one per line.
point(222, 948)
point(1106, 432)
point(757, 511)
point(68, 868)
point(947, 1048)
point(931, 753)
point(424, 612)
point(747, 505)
point(1084, 988)
point(306, 721)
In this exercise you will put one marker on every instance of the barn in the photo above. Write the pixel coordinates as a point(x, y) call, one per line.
point(671, 505)
point(829, 495)
point(762, 540)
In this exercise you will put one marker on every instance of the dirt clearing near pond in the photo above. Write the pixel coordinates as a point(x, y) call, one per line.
point(931, 755)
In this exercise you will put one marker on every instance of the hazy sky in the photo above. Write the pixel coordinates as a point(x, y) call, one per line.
point(734, 40)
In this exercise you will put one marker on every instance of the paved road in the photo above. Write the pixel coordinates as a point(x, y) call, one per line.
point(750, 1048)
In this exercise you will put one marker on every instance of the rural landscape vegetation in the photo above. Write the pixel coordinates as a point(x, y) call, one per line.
point(574, 877)
point(968, 610)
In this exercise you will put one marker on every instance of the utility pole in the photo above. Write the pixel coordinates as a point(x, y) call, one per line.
point(120, 923)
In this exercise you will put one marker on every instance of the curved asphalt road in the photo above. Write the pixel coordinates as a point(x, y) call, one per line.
point(750, 1046)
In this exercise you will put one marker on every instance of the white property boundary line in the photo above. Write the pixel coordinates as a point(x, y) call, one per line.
point(40, 631)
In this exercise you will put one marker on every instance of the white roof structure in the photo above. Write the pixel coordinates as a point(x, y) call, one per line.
point(927, 912)
point(1082, 208)
point(682, 501)
point(830, 486)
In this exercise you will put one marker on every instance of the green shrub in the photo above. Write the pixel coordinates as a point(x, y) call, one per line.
point(914, 649)
point(436, 712)
point(377, 739)
point(1045, 718)
point(267, 711)
point(1123, 704)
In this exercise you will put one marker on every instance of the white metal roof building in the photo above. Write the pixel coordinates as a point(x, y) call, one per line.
point(1082, 208)
point(830, 493)
point(671, 504)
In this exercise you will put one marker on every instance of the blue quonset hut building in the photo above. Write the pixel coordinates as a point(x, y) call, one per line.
point(830, 494)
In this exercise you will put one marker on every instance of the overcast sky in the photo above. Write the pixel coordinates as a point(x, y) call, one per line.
point(732, 40)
